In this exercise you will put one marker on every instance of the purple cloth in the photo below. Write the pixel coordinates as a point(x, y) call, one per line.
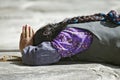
point(71, 41)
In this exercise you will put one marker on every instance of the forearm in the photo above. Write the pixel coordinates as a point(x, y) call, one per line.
point(42, 54)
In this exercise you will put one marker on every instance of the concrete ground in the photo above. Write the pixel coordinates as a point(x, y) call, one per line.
point(64, 70)
point(15, 13)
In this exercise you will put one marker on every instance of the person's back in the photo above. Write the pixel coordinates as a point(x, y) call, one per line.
point(106, 42)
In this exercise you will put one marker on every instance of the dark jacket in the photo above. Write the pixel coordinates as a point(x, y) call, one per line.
point(106, 42)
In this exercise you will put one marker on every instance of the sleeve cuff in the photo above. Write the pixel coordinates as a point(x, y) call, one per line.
point(42, 54)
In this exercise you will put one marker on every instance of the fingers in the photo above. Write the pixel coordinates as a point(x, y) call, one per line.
point(31, 32)
point(27, 32)
point(23, 32)
point(20, 37)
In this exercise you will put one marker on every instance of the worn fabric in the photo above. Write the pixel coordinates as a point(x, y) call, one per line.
point(68, 43)
point(42, 54)
point(71, 41)
point(106, 42)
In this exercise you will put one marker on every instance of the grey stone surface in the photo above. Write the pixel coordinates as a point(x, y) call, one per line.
point(15, 13)
point(64, 70)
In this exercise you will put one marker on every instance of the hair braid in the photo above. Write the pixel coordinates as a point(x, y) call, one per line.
point(82, 19)
point(50, 31)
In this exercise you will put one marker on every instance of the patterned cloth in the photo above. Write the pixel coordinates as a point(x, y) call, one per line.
point(72, 41)
point(111, 16)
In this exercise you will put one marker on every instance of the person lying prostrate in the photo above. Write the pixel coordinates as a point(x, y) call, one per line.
point(86, 38)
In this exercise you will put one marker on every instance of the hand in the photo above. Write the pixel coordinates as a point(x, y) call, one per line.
point(26, 37)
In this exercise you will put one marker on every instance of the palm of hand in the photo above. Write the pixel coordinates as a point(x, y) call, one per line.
point(26, 37)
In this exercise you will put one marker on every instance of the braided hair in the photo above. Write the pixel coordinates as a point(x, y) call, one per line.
point(50, 31)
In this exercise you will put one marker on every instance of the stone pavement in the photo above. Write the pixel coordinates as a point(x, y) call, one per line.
point(15, 70)
point(15, 13)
